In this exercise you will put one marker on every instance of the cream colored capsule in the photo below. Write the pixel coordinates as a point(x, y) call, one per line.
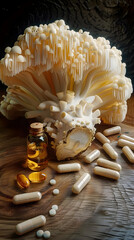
point(108, 164)
point(68, 167)
point(105, 172)
point(123, 136)
point(111, 131)
point(30, 224)
point(128, 153)
point(101, 138)
point(81, 183)
point(110, 151)
point(123, 142)
point(92, 156)
point(27, 197)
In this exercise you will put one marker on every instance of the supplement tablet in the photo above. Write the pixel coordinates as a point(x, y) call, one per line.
point(27, 197)
point(55, 207)
point(39, 233)
point(56, 191)
point(52, 182)
point(46, 234)
point(52, 212)
point(30, 224)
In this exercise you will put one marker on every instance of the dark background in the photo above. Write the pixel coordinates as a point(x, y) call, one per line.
point(112, 19)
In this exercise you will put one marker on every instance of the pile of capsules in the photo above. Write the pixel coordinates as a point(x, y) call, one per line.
point(105, 168)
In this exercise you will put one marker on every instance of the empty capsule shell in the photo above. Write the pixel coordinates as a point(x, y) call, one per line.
point(110, 151)
point(92, 156)
point(123, 136)
point(27, 197)
point(30, 224)
point(128, 153)
point(81, 183)
point(105, 172)
point(101, 138)
point(111, 131)
point(108, 164)
point(123, 142)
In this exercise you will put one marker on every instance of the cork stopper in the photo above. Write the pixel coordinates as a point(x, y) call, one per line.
point(36, 128)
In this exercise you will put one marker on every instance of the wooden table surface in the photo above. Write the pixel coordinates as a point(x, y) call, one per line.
point(103, 210)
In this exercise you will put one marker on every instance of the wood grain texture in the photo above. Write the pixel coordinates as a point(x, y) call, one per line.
point(103, 210)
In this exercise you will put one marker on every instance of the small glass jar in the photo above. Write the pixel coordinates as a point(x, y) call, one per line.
point(37, 142)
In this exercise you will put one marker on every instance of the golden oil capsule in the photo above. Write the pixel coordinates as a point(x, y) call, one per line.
point(37, 177)
point(22, 181)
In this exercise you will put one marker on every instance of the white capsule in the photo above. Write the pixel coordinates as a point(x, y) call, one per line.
point(30, 224)
point(52, 182)
point(123, 136)
point(123, 142)
point(56, 191)
point(39, 233)
point(55, 207)
point(105, 172)
point(46, 234)
point(110, 151)
point(111, 131)
point(52, 212)
point(27, 197)
point(108, 164)
point(92, 156)
point(128, 153)
point(81, 183)
point(101, 138)
point(68, 167)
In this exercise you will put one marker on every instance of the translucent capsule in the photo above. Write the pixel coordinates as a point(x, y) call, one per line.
point(112, 131)
point(92, 156)
point(128, 153)
point(123, 142)
point(105, 172)
point(101, 138)
point(110, 151)
point(81, 183)
point(108, 164)
point(27, 197)
point(30, 224)
point(37, 177)
point(22, 181)
point(123, 136)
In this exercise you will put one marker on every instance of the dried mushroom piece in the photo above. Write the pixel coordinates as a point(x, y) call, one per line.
point(67, 80)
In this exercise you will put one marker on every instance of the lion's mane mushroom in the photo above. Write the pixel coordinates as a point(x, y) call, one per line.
point(67, 79)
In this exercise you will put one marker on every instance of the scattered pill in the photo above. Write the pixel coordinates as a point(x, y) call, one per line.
point(111, 131)
point(39, 233)
point(101, 138)
point(22, 181)
point(52, 212)
point(30, 224)
point(56, 191)
point(37, 177)
point(108, 164)
point(52, 182)
point(55, 207)
point(92, 156)
point(123, 136)
point(68, 167)
point(27, 197)
point(81, 183)
point(46, 234)
point(105, 172)
point(128, 153)
point(123, 142)
point(110, 151)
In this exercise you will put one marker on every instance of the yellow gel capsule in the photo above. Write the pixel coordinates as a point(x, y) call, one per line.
point(34, 155)
point(22, 181)
point(37, 177)
point(32, 146)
